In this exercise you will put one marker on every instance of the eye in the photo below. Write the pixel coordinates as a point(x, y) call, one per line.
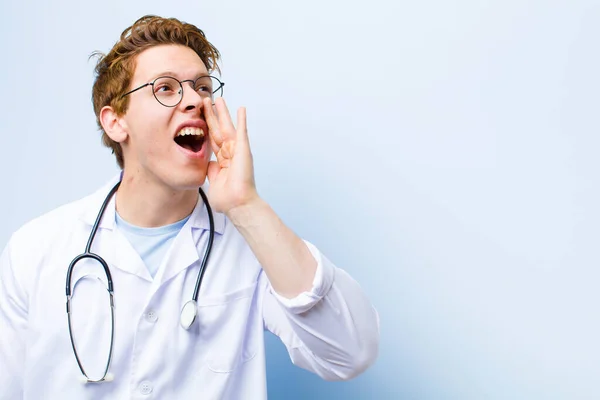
point(204, 85)
point(205, 89)
point(164, 87)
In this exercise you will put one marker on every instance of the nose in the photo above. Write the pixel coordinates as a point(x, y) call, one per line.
point(191, 100)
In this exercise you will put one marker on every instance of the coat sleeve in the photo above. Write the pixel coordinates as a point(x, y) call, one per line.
point(13, 326)
point(333, 330)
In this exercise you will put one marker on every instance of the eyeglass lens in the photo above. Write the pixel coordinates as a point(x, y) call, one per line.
point(169, 92)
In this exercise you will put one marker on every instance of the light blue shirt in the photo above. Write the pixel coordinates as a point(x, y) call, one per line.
point(150, 243)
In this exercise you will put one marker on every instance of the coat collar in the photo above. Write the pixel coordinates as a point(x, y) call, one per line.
point(198, 219)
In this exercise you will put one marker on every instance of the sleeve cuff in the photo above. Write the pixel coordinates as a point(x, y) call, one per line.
point(322, 282)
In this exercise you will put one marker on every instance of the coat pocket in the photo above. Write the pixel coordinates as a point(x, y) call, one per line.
point(227, 324)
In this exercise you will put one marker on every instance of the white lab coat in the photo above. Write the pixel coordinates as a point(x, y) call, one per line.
point(332, 330)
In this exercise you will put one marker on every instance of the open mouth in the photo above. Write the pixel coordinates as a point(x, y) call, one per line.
point(190, 138)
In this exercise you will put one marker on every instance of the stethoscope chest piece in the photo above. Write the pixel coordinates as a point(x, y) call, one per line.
point(188, 314)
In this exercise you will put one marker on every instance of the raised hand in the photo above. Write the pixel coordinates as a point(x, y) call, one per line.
point(231, 177)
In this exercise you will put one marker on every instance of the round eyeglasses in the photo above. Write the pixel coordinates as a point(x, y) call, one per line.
point(168, 91)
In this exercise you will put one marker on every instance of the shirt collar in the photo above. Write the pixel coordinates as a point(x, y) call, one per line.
point(198, 218)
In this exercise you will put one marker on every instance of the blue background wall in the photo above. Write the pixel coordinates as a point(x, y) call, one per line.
point(444, 153)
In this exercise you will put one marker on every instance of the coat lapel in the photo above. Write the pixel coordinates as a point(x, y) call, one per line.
point(187, 249)
point(190, 244)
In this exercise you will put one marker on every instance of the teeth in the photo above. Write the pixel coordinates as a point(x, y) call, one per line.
point(190, 131)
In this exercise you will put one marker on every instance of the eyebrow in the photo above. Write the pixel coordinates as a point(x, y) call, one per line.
point(176, 75)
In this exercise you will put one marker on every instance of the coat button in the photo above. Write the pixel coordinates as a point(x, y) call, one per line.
point(151, 316)
point(145, 387)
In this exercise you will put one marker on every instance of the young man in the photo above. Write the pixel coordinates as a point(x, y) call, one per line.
point(161, 113)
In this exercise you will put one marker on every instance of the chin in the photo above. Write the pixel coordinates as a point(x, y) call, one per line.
point(188, 183)
point(184, 179)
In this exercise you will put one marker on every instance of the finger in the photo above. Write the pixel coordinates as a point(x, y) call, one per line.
point(225, 155)
point(223, 161)
point(225, 122)
point(214, 146)
point(242, 131)
point(213, 125)
point(214, 110)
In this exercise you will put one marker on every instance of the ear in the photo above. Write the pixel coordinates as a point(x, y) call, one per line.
point(114, 126)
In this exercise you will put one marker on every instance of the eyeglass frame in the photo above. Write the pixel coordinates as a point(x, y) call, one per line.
point(192, 81)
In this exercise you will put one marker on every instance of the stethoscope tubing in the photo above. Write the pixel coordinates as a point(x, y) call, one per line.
point(188, 314)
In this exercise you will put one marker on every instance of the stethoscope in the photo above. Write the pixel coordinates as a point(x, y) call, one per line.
point(188, 312)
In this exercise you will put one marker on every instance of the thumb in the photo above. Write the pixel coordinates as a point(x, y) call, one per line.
point(213, 170)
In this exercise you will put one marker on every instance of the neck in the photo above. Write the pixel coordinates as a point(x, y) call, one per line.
point(148, 204)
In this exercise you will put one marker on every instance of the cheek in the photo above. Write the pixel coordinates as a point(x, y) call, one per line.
point(149, 131)
point(154, 145)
